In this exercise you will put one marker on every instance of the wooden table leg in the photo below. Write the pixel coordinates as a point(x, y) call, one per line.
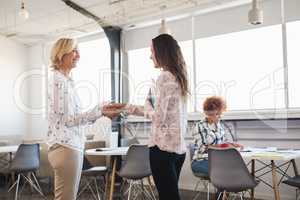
point(295, 167)
point(113, 176)
point(253, 174)
point(274, 180)
point(107, 179)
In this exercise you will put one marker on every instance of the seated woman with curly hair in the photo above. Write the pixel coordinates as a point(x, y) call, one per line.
point(210, 132)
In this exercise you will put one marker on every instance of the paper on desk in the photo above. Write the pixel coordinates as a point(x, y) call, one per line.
point(260, 149)
point(269, 155)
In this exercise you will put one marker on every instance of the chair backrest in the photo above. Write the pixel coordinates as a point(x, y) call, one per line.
point(3, 142)
point(86, 164)
point(225, 165)
point(137, 163)
point(192, 148)
point(230, 129)
point(45, 169)
point(95, 160)
point(27, 158)
point(126, 142)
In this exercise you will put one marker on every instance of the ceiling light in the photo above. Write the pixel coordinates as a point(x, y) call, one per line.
point(23, 13)
point(163, 29)
point(255, 15)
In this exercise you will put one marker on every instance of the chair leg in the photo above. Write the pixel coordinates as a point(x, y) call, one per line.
point(150, 187)
point(241, 196)
point(16, 183)
point(224, 195)
point(142, 189)
point(13, 185)
point(129, 191)
point(96, 187)
point(17, 187)
point(91, 189)
point(195, 189)
point(36, 181)
point(145, 191)
point(81, 190)
point(208, 190)
point(33, 185)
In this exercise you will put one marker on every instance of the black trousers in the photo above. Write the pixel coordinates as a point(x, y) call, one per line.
point(166, 169)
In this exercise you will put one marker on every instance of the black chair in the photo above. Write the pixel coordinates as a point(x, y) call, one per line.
point(295, 182)
point(135, 169)
point(25, 163)
point(225, 165)
point(89, 177)
point(202, 178)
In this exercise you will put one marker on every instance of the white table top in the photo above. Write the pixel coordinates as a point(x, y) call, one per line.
point(269, 154)
point(272, 155)
point(115, 151)
point(9, 149)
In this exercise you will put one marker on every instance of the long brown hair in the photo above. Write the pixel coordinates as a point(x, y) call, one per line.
point(168, 55)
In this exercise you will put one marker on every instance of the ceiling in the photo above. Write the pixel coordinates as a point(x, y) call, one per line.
point(53, 18)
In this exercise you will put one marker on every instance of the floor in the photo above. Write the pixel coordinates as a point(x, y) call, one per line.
point(28, 195)
point(185, 195)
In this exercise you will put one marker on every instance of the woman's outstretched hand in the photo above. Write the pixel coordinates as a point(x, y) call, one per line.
point(134, 110)
point(112, 110)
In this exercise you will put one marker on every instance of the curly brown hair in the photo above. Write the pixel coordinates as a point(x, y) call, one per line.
point(214, 104)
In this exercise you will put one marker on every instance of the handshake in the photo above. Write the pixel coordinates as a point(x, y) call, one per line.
point(113, 110)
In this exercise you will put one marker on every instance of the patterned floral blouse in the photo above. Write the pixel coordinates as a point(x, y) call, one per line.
point(209, 134)
point(65, 120)
point(169, 115)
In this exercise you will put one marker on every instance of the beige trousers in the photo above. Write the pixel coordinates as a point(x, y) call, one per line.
point(67, 166)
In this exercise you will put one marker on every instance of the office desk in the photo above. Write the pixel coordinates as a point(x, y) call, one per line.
point(7, 149)
point(267, 159)
point(113, 153)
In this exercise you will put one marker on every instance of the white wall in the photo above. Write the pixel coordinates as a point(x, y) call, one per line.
point(39, 61)
point(13, 62)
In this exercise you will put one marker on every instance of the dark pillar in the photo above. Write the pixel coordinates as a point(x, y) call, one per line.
point(113, 33)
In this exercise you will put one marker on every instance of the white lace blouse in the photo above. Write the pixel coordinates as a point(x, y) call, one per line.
point(65, 120)
point(169, 115)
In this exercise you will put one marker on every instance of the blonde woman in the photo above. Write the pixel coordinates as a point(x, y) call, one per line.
point(65, 133)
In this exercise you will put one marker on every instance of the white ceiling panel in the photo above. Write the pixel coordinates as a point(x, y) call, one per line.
point(51, 18)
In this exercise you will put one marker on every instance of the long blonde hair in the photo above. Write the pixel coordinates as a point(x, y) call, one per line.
point(61, 47)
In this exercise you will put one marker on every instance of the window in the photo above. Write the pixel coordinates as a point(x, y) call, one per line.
point(92, 75)
point(187, 51)
point(244, 67)
point(142, 72)
point(293, 44)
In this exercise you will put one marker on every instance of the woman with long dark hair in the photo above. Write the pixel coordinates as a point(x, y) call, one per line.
point(166, 107)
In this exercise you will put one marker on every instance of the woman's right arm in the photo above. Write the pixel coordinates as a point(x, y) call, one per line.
point(59, 107)
point(197, 135)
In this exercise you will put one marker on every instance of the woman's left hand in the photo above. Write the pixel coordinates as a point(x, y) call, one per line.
point(112, 110)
